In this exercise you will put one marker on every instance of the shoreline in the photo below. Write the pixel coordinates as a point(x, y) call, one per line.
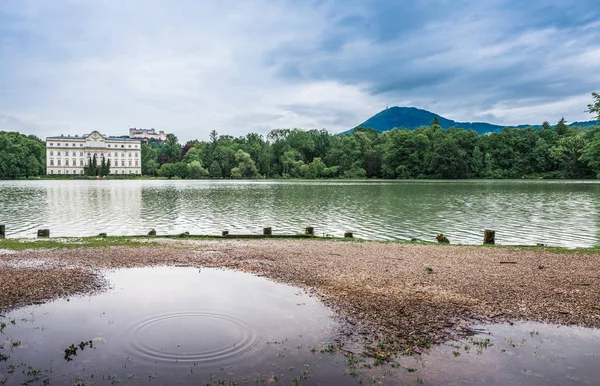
point(400, 296)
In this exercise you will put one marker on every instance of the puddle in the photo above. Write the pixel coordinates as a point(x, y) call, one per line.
point(187, 325)
point(174, 324)
point(524, 353)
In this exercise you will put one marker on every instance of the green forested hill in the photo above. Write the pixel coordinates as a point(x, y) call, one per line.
point(412, 118)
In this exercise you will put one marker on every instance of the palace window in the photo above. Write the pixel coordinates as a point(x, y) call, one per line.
point(66, 162)
point(136, 154)
point(51, 153)
point(51, 144)
point(89, 155)
point(74, 171)
point(122, 154)
point(80, 162)
point(122, 162)
point(58, 144)
point(136, 163)
point(81, 154)
point(51, 162)
point(58, 162)
point(129, 162)
point(81, 145)
point(58, 171)
point(51, 171)
point(129, 155)
point(129, 146)
point(58, 153)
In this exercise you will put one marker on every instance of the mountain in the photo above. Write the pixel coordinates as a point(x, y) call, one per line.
point(412, 117)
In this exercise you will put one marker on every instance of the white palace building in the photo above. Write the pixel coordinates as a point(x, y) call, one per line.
point(69, 154)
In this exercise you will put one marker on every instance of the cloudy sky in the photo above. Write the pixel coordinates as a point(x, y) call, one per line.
point(191, 66)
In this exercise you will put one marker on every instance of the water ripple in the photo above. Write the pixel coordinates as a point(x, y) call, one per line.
point(200, 337)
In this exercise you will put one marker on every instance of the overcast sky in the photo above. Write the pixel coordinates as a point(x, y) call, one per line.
point(191, 66)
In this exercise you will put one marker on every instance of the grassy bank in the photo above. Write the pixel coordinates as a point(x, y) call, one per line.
point(20, 244)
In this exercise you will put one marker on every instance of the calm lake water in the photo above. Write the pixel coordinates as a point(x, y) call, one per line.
point(184, 325)
point(562, 213)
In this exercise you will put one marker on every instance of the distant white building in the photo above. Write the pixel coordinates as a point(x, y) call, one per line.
point(70, 154)
point(147, 134)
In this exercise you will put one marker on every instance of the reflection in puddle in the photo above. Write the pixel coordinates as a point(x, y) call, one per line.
point(519, 354)
point(174, 325)
point(185, 325)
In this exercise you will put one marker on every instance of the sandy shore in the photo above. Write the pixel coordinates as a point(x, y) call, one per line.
point(405, 295)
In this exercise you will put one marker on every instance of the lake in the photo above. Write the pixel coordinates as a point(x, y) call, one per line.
point(561, 213)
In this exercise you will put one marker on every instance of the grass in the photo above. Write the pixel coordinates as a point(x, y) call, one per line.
point(71, 242)
point(108, 241)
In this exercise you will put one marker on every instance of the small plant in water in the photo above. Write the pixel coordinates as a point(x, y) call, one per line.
point(428, 269)
point(72, 349)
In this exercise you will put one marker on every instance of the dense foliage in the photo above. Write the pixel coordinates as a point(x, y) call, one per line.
point(21, 155)
point(427, 152)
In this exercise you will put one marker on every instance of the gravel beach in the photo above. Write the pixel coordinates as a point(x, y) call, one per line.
point(406, 295)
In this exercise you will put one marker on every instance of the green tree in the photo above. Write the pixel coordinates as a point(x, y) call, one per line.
point(195, 170)
point(166, 170)
point(21, 156)
point(595, 107)
point(149, 158)
point(246, 167)
point(561, 127)
point(591, 153)
point(91, 169)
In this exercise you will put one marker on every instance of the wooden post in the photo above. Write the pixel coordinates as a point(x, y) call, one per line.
point(348, 235)
point(43, 233)
point(489, 237)
point(267, 231)
point(225, 233)
point(310, 231)
point(2, 231)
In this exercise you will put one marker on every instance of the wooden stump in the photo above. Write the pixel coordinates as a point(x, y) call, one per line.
point(310, 231)
point(2, 231)
point(489, 237)
point(152, 232)
point(348, 235)
point(43, 233)
point(267, 231)
point(224, 233)
point(442, 239)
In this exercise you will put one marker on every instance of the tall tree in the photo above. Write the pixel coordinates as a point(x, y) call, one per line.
point(561, 127)
point(595, 107)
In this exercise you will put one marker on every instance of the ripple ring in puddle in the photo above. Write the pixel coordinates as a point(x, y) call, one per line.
point(201, 337)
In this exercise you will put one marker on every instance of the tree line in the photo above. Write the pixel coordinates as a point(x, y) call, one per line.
point(560, 151)
point(426, 152)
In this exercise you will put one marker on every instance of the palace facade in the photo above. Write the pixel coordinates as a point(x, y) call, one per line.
point(70, 154)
